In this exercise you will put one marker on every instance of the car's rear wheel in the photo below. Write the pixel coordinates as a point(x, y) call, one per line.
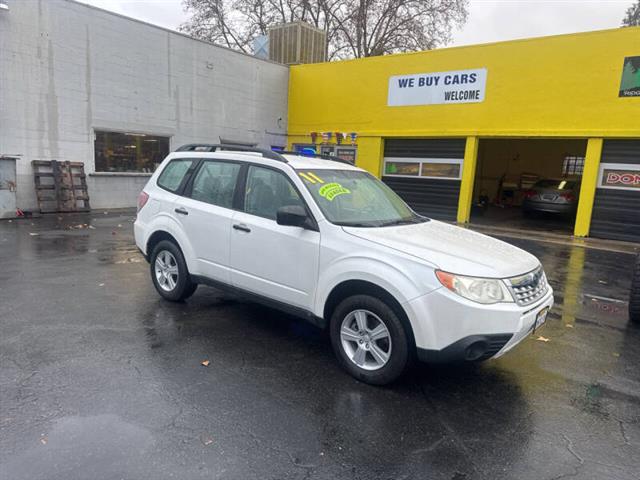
point(169, 272)
point(369, 339)
point(634, 297)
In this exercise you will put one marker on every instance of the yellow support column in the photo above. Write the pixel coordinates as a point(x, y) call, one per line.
point(588, 187)
point(370, 154)
point(468, 178)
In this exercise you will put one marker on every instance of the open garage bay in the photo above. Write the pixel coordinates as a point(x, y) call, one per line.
point(528, 184)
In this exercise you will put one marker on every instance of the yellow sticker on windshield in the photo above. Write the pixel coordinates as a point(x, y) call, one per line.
point(332, 190)
point(307, 177)
point(315, 177)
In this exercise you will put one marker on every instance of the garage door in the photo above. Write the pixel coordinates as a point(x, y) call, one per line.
point(426, 173)
point(617, 202)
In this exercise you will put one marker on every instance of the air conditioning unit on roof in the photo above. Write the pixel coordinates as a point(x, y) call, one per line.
point(297, 42)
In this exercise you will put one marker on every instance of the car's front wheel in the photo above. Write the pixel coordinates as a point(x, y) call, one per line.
point(169, 272)
point(369, 339)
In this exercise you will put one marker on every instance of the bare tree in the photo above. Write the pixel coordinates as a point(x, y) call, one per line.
point(632, 17)
point(354, 28)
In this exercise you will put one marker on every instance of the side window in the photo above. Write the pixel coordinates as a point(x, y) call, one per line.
point(267, 191)
point(172, 175)
point(215, 183)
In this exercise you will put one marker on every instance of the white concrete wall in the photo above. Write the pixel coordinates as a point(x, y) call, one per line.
point(67, 69)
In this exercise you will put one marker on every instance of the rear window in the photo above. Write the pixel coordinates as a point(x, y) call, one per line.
point(173, 174)
point(556, 184)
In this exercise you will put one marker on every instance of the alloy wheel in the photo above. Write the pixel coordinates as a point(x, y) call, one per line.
point(365, 339)
point(166, 270)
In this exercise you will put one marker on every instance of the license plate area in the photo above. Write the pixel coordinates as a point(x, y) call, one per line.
point(541, 317)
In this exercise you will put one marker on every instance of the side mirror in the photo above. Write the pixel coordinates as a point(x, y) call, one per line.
point(293, 216)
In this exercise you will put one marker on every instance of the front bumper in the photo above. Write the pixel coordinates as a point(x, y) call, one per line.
point(472, 348)
point(549, 207)
point(449, 328)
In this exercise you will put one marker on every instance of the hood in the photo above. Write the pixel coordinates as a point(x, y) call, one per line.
point(452, 249)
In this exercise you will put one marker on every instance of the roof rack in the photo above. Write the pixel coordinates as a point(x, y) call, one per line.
point(323, 156)
point(214, 147)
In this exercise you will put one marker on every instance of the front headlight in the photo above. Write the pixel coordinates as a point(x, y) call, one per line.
point(481, 290)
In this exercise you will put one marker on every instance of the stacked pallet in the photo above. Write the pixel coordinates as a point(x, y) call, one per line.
point(60, 186)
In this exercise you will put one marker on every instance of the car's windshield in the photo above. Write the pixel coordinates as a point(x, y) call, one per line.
point(357, 198)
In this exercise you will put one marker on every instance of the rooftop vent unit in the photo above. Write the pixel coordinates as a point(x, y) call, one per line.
point(297, 42)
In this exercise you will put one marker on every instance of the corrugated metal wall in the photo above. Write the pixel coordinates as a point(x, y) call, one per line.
point(616, 213)
point(433, 198)
point(424, 148)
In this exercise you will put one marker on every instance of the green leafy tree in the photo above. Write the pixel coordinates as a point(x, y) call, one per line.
point(632, 17)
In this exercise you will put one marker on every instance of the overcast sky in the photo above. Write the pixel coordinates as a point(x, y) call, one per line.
point(489, 20)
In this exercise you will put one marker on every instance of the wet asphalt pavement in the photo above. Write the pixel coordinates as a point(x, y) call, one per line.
point(101, 379)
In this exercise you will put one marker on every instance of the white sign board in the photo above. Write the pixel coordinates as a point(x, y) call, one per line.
point(460, 86)
point(621, 176)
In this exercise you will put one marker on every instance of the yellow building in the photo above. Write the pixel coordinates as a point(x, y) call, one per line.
point(465, 132)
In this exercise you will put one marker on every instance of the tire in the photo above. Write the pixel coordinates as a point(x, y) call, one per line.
point(634, 297)
point(349, 345)
point(172, 281)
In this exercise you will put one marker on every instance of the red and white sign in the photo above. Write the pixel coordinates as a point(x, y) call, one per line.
point(620, 175)
point(626, 179)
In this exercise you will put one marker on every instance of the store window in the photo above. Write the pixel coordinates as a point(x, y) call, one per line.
point(129, 152)
point(445, 168)
point(440, 170)
point(572, 165)
point(402, 168)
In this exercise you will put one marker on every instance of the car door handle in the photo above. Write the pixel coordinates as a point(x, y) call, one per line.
point(242, 228)
point(181, 211)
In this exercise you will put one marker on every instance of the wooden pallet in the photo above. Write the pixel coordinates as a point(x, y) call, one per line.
point(61, 186)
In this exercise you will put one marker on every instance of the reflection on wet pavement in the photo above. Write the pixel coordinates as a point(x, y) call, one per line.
point(99, 378)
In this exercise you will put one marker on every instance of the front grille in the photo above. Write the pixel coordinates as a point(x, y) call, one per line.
point(530, 287)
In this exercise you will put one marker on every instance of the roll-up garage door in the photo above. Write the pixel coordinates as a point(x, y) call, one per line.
point(616, 208)
point(426, 173)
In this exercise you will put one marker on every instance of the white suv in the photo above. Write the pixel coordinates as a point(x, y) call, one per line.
point(331, 243)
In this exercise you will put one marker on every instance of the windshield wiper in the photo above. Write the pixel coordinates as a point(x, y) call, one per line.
point(405, 221)
point(356, 224)
point(382, 223)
